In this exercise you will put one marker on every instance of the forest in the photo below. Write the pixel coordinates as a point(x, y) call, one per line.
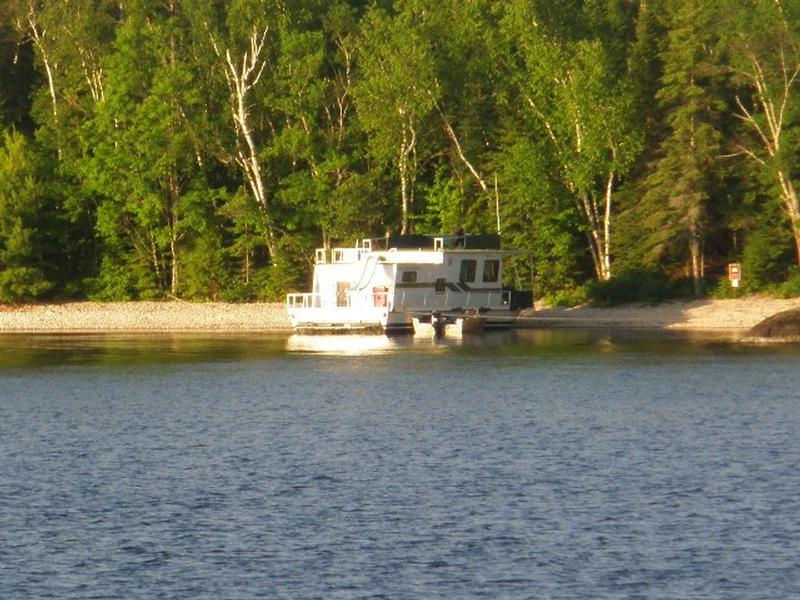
point(202, 149)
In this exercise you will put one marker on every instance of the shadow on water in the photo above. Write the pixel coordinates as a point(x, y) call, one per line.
point(54, 350)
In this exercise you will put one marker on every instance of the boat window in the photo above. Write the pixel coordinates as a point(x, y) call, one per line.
point(409, 277)
point(491, 270)
point(440, 285)
point(467, 274)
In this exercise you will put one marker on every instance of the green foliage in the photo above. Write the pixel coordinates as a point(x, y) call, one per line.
point(637, 286)
point(445, 205)
point(567, 297)
point(597, 126)
point(286, 274)
point(681, 184)
point(765, 257)
point(115, 282)
point(21, 207)
point(537, 215)
point(791, 287)
point(205, 273)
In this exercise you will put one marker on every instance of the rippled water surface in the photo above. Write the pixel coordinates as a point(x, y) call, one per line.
point(530, 465)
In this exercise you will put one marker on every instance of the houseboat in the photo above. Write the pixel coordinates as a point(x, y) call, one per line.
point(401, 283)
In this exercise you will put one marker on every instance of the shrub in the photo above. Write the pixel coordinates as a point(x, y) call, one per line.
point(764, 259)
point(22, 284)
point(722, 289)
point(114, 283)
point(204, 273)
point(791, 287)
point(567, 297)
point(637, 285)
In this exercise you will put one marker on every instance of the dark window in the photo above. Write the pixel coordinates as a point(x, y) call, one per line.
point(440, 285)
point(467, 271)
point(491, 270)
point(409, 277)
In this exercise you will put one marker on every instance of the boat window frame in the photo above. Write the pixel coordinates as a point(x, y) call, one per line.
point(441, 285)
point(468, 270)
point(493, 274)
point(409, 276)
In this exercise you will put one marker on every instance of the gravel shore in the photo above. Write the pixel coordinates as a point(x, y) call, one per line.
point(699, 315)
point(143, 316)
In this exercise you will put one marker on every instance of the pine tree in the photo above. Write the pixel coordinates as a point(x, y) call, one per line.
point(21, 213)
point(682, 179)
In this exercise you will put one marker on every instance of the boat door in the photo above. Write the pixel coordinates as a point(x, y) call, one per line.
point(342, 287)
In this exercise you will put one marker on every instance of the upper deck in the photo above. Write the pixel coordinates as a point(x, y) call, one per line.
point(422, 249)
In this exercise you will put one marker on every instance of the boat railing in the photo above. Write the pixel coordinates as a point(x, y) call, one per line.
point(304, 300)
point(448, 299)
point(380, 297)
point(327, 256)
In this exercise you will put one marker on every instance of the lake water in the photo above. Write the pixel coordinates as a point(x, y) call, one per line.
point(527, 465)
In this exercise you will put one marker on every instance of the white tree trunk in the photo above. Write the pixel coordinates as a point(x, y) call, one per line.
point(406, 166)
point(242, 75)
point(791, 208)
point(607, 228)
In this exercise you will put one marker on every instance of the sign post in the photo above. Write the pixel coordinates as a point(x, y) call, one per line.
point(734, 274)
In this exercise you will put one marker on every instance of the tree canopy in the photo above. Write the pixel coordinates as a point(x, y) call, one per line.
point(186, 149)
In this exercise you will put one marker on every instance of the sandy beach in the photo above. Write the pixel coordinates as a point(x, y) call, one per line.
point(737, 314)
point(698, 315)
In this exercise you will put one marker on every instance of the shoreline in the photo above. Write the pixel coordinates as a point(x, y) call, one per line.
point(732, 315)
point(709, 315)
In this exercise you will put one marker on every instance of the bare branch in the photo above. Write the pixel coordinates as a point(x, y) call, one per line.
point(747, 117)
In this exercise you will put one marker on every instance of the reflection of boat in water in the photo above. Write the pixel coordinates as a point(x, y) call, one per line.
point(341, 344)
point(356, 345)
point(397, 284)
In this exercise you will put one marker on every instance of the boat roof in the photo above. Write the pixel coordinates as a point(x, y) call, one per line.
point(411, 249)
point(487, 241)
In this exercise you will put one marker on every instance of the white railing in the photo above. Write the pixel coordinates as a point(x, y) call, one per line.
point(365, 299)
point(448, 299)
point(303, 300)
point(405, 300)
point(326, 256)
point(374, 299)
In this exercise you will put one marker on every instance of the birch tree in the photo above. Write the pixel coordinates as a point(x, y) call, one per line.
point(242, 70)
point(584, 109)
point(468, 75)
point(33, 23)
point(395, 96)
point(766, 61)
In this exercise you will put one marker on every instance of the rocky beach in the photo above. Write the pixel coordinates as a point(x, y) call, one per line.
point(698, 315)
point(76, 317)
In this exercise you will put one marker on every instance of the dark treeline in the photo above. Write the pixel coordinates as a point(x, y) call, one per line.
point(202, 149)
